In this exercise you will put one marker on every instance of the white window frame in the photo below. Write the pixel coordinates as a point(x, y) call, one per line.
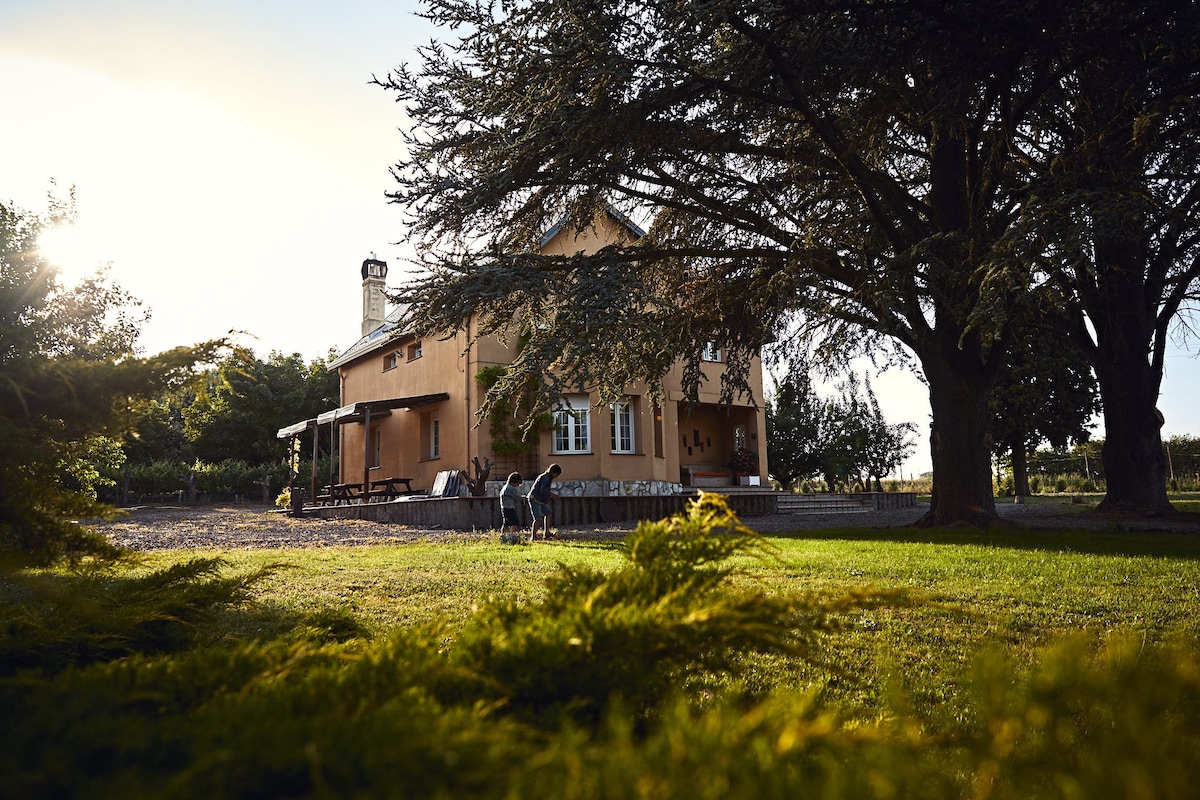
point(711, 353)
point(621, 427)
point(435, 438)
point(572, 425)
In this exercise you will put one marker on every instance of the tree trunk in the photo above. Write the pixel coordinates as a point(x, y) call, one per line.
point(1020, 468)
point(959, 442)
point(1127, 358)
point(1135, 467)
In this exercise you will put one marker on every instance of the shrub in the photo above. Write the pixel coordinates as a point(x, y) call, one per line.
point(94, 615)
point(1035, 484)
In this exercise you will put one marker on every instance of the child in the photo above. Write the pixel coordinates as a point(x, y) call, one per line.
point(539, 501)
point(510, 499)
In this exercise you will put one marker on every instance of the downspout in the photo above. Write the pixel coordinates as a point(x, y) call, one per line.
point(467, 395)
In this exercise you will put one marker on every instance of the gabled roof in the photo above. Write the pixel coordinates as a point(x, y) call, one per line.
point(609, 209)
point(391, 330)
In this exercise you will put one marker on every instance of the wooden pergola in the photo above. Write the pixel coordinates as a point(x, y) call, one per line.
point(361, 412)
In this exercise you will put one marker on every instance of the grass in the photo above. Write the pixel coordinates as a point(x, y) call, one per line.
point(390, 586)
point(847, 662)
point(1014, 590)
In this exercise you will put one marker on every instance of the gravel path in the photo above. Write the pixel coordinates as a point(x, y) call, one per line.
point(239, 527)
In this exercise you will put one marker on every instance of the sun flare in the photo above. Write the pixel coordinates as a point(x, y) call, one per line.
point(74, 251)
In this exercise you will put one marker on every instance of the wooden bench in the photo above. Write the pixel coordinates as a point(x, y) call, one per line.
point(705, 475)
point(389, 488)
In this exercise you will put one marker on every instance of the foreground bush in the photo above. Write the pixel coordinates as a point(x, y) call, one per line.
point(608, 688)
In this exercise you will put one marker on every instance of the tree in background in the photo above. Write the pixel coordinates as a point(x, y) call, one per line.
point(844, 438)
point(1112, 215)
point(68, 372)
point(884, 446)
point(245, 399)
point(1046, 393)
point(795, 429)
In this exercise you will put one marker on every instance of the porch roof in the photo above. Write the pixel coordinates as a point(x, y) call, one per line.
point(355, 412)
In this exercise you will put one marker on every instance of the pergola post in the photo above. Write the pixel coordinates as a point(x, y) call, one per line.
point(366, 490)
point(316, 438)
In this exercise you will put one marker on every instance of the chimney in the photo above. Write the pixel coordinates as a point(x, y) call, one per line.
point(374, 273)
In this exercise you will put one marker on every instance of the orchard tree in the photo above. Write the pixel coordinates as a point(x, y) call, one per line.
point(68, 372)
point(885, 446)
point(860, 165)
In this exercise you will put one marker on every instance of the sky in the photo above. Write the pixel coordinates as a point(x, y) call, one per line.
point(230, 159)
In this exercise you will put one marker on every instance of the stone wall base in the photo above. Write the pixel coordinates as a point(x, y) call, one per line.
point(599, 488)
point(483, 513)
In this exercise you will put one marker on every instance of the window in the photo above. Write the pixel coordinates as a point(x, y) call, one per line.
point(657, 413)
point(376, 448)
point(621, 426)
point(414, 350)
point(711, 352)
point(571, 433)
point(431, 436)
point(389, 361)
point(739, 437)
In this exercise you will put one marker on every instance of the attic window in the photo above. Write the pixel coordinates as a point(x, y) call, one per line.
point(389, 361)
point(414, 350)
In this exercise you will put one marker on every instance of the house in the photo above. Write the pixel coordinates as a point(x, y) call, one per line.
point(411, 409)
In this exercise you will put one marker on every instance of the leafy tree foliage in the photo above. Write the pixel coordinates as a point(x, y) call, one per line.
point(68, 373)
point(246, 399)
point(1046, 393)
point(795, 427)
point(844, 438)
point(866, 165)
point(1116, 206)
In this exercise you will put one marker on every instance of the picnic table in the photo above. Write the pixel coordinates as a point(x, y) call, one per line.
point(389, 488)
point(345, 493)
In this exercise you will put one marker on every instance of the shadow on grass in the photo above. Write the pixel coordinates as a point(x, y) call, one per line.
point(53, 621)
point(1111, 541)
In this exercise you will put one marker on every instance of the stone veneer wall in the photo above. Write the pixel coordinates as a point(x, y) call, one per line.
point(483, 513)
point(599, 488)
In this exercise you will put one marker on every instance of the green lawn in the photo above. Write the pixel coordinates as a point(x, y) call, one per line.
point(447, 670)
point(1019, 591)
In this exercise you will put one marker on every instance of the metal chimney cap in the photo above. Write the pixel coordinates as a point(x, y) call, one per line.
point(374, 268)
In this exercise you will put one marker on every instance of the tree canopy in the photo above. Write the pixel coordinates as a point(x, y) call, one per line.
point(245, 399)
point(846, 437)
point(864, 165)
point(68, 374)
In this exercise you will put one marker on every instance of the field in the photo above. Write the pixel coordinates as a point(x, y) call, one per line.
point(849, 661)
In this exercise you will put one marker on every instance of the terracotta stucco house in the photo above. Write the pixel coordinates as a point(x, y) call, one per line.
point(423, 399)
